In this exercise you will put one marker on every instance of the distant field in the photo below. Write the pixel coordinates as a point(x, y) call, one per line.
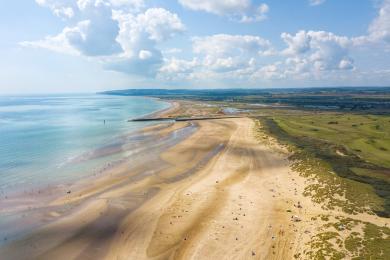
point(366, 136)
point(374, 99)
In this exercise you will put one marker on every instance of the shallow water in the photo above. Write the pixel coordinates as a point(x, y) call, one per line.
point(52, 139)
point(135, 156)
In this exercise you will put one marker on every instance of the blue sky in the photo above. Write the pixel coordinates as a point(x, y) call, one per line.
point(93, 45)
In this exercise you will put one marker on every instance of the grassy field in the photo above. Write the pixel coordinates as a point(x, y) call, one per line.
point(366, 136)
point(355, 147)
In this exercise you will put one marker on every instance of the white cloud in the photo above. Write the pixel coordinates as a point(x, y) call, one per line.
point(125, 36)
point(58, 43)
point(95, 35)
point(172, 51)
point(139, 35)
point(227, 44)
point(380, 27)
point(346, 64)
point(178, 69)
point(324, 50)
point(316, 2)
point(144, 54)
point(219, 57)
point(224, 52)
point(88, 37)
point(297, 44)
point(119, 38)
point(379, 30)
point(268, 72)
point(309, 55)
point(60, 8)
point(145, 29)
point(136, 4)
point(219, 7)
point(145, 63)
point(259, 14)
point(160, 24)
point(239, 10)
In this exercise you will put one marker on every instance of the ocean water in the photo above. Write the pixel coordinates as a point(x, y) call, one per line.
point(53, 139)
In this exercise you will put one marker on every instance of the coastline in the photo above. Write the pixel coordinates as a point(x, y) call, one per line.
point(19, 204)
point(159, 203)
point(66, 143)
point(195, 189)
point(174, 106)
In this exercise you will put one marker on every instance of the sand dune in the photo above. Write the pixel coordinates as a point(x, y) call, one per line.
point(218, 194)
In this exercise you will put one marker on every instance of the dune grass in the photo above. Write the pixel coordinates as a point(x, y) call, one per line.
point(350, 174)
point(343, 237)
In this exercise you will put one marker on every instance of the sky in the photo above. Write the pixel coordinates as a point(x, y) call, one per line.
point(77, 46)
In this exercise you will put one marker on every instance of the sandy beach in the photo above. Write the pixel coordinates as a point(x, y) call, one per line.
point(214, 191)
point(214, 194)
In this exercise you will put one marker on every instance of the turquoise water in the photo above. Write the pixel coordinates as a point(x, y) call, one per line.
point(50, 139)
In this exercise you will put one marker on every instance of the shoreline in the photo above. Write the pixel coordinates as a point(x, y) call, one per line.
point(189, 166)
point(174, 106)
point(200, 189)
point(28, 202)
point(106, 146)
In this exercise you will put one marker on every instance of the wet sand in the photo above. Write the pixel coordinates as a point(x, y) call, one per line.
point(213, 191)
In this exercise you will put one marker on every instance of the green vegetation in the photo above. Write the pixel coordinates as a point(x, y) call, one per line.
point(328, 143)
point(323, 246)
point(348, 237)
point(347, 99)
point(366, 136)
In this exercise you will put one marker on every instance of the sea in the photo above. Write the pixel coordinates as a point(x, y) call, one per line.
point(52, 139)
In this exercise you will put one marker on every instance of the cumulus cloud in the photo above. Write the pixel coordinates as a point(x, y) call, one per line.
point(175, 69)
point(268, 72)
point(133, 4)
point(297, 44)
point(179, 66)
point(61, 9)
point(122, 39)
point(144, 63)
point(308, 54)
point(379, 30)
point(58, 43)
point(138, 37)
point(224, 52)
point(316, 2)
point(239, 10)
point(160, 24)
point(172, 51)
point(323, 50)
point(380, 27)
point(145, 29)
point(130, 3)
point(219, 57)
point(248, 58)
point(126, 36)
point(94, 36)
